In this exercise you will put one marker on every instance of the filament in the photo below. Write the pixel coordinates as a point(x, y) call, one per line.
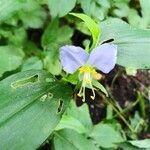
point(88, 74)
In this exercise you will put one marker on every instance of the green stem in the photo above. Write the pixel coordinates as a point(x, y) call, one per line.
point(119, 114)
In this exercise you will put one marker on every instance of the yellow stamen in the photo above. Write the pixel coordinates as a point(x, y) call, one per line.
point(87, 73)
point(92, 97)
point(97, 76)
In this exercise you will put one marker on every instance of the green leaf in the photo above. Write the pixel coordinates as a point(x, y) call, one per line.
point(53, 36)
point(106, 135)
point(52, 39)
point(30, 108)
point(10, 7)
point(52, 63)
point(34, 18)
point(11, 37)
point(70, 122)
point(71, 119)
point(141, 143)
point(121, 9)
point(128, 146)
point(72, 78)
point(100, 87)
point(92, 26)
point(60, 8)
point(145, 5)
point(71, 140)
point(32, 63)
point(83, 112)
point(134, 19)
point(10, 58)
point(133, 44)
point(97, 9)
point(7, 8)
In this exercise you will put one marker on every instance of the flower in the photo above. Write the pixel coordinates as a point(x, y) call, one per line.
point(102, 58)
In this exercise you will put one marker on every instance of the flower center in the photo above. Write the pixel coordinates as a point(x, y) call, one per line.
point(86, 75)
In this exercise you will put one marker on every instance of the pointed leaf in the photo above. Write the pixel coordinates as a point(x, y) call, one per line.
point(31, 105)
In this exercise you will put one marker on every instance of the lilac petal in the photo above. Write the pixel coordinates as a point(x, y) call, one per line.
point(72, 58)
point(104, 57)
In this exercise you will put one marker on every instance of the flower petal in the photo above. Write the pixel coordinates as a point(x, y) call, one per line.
point(104, 57)
point(72, 58)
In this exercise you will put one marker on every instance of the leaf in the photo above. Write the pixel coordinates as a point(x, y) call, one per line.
point(121, 9)
point(54, 35)
point(83, 112)
point(60, 8)
point(97, 9)
point(34, 18)
point(70, 123)
point(71, 140)
point(10, 7)
point(52, 39)
point(11, 36)
point(141, 143)
point(100, 87)
point(52, 63)
point(32, 63)
point(30, 108)
point(72, 78)
point(71, 119)
point(92, 26)
point(10, 58)
point(128, 146)
point(145, 5)
point(145, 20)
point(134, 19)
point(133, 44)
point(7, 8)
point(106, 135)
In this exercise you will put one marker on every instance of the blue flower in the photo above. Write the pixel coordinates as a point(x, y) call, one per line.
point(102, 58)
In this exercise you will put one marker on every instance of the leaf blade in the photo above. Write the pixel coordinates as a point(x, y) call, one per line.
point(29, 113)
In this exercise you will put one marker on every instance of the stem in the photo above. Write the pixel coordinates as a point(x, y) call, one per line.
point(119, 114)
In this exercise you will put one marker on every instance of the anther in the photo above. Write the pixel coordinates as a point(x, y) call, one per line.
point(97, 76)
point(79, 95)
point(92, 97)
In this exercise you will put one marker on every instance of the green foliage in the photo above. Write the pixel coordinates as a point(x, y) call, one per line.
point(97, 9)
point(66, 139)
point(60, 8)
point(52, 39)
point(10, 58)
point(132, 43)
point(30, 109)
point(32, 63)
point(141, 143)
point(72, 130)
point(106, 135)
point(99, 134)
point(92, 26)
point(28, 11)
